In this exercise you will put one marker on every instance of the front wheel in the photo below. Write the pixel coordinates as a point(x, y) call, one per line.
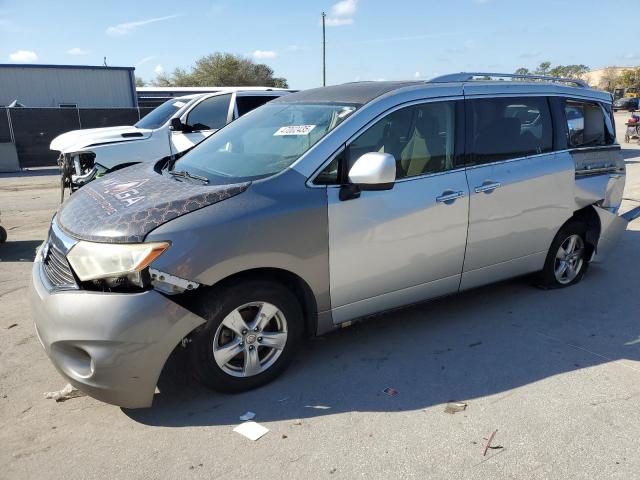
point(252, 331)
point(567, 260)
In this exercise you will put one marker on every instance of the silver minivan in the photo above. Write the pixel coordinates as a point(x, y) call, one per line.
point(317, 209)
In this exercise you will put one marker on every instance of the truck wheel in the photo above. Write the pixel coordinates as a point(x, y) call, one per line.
point(567, 260)
point(252, 332)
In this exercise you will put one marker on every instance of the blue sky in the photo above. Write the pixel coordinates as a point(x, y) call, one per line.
point(367, 39)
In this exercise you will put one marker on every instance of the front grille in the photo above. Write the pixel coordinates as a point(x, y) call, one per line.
point(57, 268)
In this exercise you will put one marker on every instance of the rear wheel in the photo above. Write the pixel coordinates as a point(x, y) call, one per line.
point(252, 332)
point(567, 260)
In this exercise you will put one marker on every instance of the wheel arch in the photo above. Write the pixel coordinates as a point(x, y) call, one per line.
point(296, 284)
point(591, 220)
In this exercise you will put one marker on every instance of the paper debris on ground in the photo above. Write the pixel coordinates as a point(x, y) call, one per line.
point(67, 393)
point(251, 430)
point(247, 416)
point(318, 407)
point(392, 392)
point(297, 421)
point(455, 407)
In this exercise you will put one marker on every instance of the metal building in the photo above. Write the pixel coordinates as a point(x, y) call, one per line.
point(77, 86)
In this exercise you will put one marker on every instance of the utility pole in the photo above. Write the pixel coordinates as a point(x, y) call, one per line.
point(324, 55)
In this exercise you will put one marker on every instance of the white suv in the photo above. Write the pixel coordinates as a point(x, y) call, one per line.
point(172, 128)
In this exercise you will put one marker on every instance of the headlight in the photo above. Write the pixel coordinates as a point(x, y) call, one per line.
point(91, 261)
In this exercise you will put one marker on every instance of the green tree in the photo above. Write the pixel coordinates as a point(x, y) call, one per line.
point(545, 68)
point(140, 82)
point(630, 78)
point(222, 70)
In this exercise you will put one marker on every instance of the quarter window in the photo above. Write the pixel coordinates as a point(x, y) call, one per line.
point(210, 114)
point(247, 103)
point(505, 128)
point(420, 137)
point(588, 125)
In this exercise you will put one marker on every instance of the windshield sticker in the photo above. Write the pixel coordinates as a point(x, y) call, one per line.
point(179, 104)
point(294, 130)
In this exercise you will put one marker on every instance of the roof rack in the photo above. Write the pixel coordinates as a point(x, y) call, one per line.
point(470, 76)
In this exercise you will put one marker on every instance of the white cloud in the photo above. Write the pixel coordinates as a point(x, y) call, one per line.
point(417, 75)
point(264, 54)
point(144, 60)
point(344, 8)
point(77, 51)
point(337, 22)
point(125, 28)
point(24, 56)
point(159, 70)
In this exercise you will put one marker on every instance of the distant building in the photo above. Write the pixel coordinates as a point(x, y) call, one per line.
point(599, 78)
point(68, 86)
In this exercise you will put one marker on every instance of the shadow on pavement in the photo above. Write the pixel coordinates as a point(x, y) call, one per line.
point(484, 342)
point(18, 251)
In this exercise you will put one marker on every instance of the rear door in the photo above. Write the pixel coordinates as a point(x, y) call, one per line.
point(202, 120)
point(521, 192)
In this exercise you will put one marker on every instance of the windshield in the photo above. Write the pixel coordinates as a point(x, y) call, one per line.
point(264, 142)
point(159, 116)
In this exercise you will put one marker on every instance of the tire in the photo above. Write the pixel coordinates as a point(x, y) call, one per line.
point(3, 235)
point(561, 272)
point(242, 345)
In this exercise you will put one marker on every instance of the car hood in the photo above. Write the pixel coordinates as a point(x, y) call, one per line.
point(77, 140)
point(125, 206)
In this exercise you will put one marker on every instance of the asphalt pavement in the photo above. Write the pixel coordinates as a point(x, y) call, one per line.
point(555, 373)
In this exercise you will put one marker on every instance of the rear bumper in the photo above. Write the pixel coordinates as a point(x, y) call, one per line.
point(111, 346)
point(612, 227)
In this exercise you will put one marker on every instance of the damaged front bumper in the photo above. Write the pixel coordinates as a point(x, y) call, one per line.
point(112, 346)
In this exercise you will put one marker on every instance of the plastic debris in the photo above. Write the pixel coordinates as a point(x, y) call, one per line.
point(67, 393)
point(318, 407)
point(252, 430)
point(455, 407)
point(247, 416)
point(392, 392)
point(284, 399)
point(11, 326)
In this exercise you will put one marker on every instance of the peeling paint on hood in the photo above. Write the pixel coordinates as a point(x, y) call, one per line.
point(125, 206)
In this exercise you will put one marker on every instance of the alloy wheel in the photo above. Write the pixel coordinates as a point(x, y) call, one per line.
point(569, 259)
point(250, 339)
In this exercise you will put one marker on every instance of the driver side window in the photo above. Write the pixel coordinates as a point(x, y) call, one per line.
point(210, 114)
point(420, 137)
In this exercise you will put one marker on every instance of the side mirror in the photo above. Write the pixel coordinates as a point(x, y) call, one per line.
point(177, 125)
point(372, 171)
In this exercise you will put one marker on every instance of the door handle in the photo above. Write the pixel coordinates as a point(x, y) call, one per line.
point(449, 196)
point(487, 187)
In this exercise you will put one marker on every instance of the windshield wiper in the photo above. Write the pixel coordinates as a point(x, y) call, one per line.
point(191, 176)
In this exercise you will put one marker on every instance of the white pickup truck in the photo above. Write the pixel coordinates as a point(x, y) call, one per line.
point(173, 127)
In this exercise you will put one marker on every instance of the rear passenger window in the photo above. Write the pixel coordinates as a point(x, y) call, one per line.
point(247, 103)
point(504, 128)
point(588, 125)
